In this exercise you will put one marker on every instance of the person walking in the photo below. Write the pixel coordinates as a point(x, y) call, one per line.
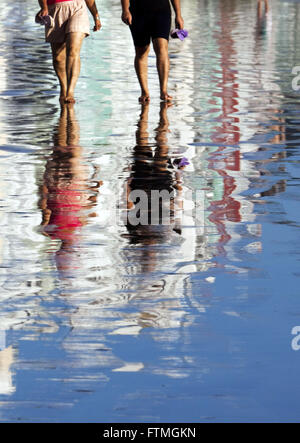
point(151, 19)
point(70, 25)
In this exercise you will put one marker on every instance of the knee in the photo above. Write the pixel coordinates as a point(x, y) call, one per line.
point(162, 56)
point(59, 58)
point(73, 52)
point(142, 53)
point(161, 50)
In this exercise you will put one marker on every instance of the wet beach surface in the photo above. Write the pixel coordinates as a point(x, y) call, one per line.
point(101, 321)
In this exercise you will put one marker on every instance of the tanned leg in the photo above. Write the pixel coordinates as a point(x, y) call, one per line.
point(160, 46)
point(59, 63)
point(141, 69)
point(73, 46)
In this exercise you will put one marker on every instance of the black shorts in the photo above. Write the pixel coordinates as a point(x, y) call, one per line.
point(150, 25)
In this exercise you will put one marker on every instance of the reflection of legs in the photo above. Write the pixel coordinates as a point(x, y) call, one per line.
point(59, 64)
point(260, 6)
point(142, 151)
point(73, 127)
point(68, 128)
point(161, 152)
point(142, 134)
point(73, 43)
point(160, 46)
point(62, 138)
point(266, 5)
point(141, 69)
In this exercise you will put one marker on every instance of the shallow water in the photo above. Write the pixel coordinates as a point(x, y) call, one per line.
point(190, 321)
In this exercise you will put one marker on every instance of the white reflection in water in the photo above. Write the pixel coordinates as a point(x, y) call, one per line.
point(147, 274)
point(6, 360)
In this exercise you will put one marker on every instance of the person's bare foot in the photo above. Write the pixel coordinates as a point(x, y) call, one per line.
point(144, 98)
point(69, 99)
point(165, 97)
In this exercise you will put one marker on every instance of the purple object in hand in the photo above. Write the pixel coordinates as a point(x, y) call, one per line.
point(46, 20)
point(179, 33)
point(183, 162)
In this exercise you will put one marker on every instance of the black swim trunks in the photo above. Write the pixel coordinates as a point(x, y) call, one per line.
point(150, 19)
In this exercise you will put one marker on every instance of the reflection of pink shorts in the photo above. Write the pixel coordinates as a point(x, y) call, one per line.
point(69, 16)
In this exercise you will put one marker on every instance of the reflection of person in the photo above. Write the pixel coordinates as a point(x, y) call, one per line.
point(153, 172)
point(279, 138)
point(67, 197)
point(161, 251)
point(151, 19)
point(71, 26)
point(260, 6)
point(262, 10)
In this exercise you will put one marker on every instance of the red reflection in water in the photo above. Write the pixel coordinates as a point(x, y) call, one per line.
point(228, 133)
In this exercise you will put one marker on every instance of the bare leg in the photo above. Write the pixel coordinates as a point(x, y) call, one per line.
point(59, 58)
point(141, 69)
point(73, 44)
point(160, 46)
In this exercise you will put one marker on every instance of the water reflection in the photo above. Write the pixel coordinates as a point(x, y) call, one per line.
point(152, 170)
point(228, 132)
point(262, 11)
point(68, 193)
point(7, 355)
point(155, 243)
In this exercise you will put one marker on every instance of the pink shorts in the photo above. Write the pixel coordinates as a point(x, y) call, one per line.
point(70, 16)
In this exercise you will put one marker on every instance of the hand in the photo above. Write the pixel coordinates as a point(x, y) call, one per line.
point(98, 25)
point(179, 23)
point(43, 12)
point(127, 17)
